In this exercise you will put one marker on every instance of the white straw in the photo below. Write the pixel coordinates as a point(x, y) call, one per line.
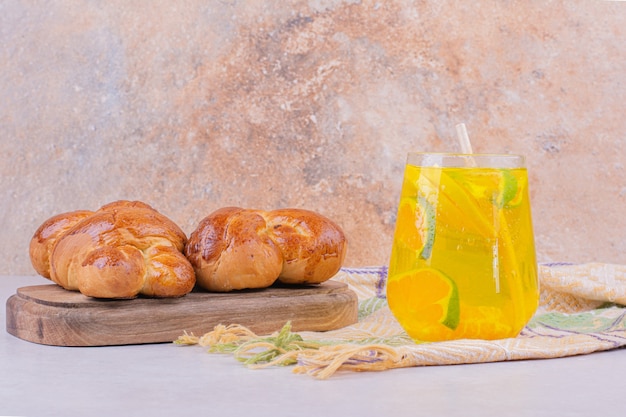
point(464, 141)
point(461, 131)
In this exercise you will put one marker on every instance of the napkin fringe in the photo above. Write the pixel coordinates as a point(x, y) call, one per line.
point(327, 360)
point(220, 335)
point(287, 348)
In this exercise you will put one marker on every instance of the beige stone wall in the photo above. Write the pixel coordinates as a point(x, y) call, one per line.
point(194, 105)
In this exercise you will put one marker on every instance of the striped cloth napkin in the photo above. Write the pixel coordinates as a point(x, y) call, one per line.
point(581, 310)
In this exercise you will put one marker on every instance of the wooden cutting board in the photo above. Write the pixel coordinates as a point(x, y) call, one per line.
point(51, 315)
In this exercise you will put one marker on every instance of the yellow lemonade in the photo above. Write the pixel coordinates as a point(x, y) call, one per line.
point(463, 257)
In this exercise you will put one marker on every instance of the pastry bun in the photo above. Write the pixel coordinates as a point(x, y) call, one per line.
point(124, 249)
point(235, 248)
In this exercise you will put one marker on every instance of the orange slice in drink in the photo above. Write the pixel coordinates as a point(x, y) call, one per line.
point(507, 188)
point(415, 226)
point(501, 187)
point(424, 297)
point(513, 188)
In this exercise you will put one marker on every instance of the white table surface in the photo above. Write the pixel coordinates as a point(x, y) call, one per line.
point(170, 380)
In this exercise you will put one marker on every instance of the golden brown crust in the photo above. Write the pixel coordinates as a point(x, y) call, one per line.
point(120, 251)
point(230, 251)
point(313, 246)
point(47, 234)
point(235, 248)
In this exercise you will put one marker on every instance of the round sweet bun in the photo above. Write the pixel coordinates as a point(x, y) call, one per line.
point(120, 251)
point(230, 250)
point(235, 248)
point(313, 247)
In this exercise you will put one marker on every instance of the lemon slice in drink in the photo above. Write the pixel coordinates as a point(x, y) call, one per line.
point(424, 297)
point(415, 225)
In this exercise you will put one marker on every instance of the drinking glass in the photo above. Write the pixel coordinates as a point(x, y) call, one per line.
point(463, 258)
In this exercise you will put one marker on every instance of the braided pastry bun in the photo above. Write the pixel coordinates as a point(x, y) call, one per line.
point(124, 249)
point(234, 248)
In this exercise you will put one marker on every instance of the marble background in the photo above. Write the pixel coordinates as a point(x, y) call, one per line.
point(195, 105)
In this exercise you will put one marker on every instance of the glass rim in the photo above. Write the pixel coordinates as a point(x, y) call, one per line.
point(466, 160)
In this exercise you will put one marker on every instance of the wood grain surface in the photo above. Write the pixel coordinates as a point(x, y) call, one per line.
point(51, 315)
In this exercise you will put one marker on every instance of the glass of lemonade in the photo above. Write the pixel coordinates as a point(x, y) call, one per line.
point(463, 258)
